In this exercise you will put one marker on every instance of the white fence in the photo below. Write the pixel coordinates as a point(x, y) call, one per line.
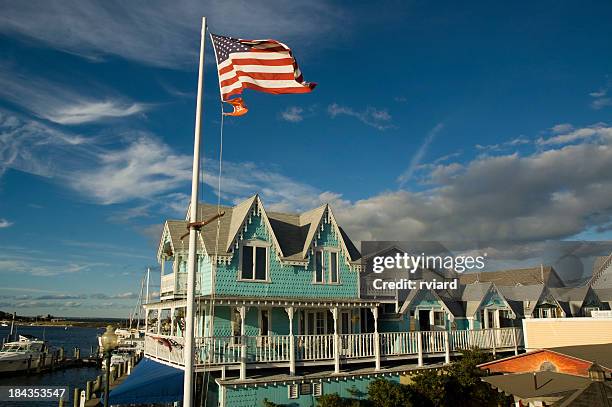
point(309, 348)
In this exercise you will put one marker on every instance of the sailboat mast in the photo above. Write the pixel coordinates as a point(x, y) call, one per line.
point(148, 277)
point(193, 217)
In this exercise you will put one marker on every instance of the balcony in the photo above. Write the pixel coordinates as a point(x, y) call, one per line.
point(236, 352)
point(173, 285)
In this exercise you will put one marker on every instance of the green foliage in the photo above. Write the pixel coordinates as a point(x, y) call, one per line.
point(268, 403)
point(384, 393)
point(334, 400)
point(458, 384)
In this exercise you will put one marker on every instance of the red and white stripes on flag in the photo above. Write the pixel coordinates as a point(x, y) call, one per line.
point(263, 65)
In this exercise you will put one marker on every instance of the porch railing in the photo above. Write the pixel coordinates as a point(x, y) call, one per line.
point(314, 347)
point(310, 348)
point(356, 345)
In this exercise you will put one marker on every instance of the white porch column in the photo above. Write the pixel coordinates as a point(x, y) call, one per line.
point(471, 323)
point(290, 312)
point(420, 347)
point(336, 341)
point(172, 321)
point(485, 318)
point(243, 346)
point(374, 311)
point(497, 319)
point(446, 347)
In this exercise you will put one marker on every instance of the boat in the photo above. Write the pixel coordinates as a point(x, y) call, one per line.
point(23, 354)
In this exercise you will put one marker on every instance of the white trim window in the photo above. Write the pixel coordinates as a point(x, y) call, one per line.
point(326, 266)
point(319, 273)
point(334, 278)
point(439, 319)
point(254, 259)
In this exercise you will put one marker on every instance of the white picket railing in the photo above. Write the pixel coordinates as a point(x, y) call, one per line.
point(273, 348)
point(433, 341)
point(356, 345)
point(167, 284)
point(277, 348)
point(314, 347)
point(164, 347)
point(398, 343)
point(219, 350)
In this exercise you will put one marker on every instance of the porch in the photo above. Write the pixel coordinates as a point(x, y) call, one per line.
point(291, 351)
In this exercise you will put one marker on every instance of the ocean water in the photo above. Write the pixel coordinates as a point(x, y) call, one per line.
point(83, 338)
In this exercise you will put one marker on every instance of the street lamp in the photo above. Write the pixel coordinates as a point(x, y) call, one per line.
point(109, 342)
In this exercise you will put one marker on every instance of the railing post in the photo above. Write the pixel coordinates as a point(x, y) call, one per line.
point(493, 342)
point(514, 337)
point(243, 345)
point(336, 341)
point(446, 347)
point(376, 338)
point(290, 311)
point(420, 348)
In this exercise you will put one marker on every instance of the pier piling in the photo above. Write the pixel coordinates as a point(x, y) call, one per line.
point(76, 397)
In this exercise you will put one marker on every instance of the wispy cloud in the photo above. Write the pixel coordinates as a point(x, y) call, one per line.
point(416, 159)
point(378, 118)
point(570, 135)
point(504, 146)
point(601, 98)
point(61, 104)
point(4, 223)
point(161, 33)
point(293, 114)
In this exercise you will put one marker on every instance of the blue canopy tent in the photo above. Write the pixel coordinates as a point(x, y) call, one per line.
point(150, 383)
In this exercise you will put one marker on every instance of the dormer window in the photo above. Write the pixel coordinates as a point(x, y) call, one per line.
point(326, 266)
point(254, 261)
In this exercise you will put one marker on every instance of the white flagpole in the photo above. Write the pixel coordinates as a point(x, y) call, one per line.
point(193, 213)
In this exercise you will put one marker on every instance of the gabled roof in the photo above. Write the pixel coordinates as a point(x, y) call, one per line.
point(474, 294)
point(292, 233)
point(450, 304)
point(537, 385)
point(596, 394)
point(525, 276)
point(523, 298)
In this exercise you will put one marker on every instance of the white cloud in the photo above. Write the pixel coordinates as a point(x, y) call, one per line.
point(378, 118)
point(4, 223)
point(601, 97)
point(293, 114)
point(61, 104)
point(143, 169)
point(597, 131)
point(505, 146)
point(86, 112)
point(419, 154)
point(561, 128)
point(162, 33)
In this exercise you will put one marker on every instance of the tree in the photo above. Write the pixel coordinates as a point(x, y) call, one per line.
point(458, 384)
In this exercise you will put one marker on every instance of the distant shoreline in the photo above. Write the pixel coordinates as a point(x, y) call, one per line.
point(70, 324)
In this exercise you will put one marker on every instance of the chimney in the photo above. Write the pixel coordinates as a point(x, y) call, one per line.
point(542, 272)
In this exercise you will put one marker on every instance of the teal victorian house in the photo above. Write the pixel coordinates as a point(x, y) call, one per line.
point(280, 314)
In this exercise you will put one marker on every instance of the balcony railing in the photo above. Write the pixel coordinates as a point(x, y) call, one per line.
point(234, 350)
point(167, 285)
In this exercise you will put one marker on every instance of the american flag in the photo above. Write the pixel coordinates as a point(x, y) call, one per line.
point(263, 65)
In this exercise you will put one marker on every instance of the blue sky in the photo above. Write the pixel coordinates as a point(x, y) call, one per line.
point(430, 121)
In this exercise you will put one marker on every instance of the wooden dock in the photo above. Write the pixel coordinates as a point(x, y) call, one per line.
point(58, 360)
